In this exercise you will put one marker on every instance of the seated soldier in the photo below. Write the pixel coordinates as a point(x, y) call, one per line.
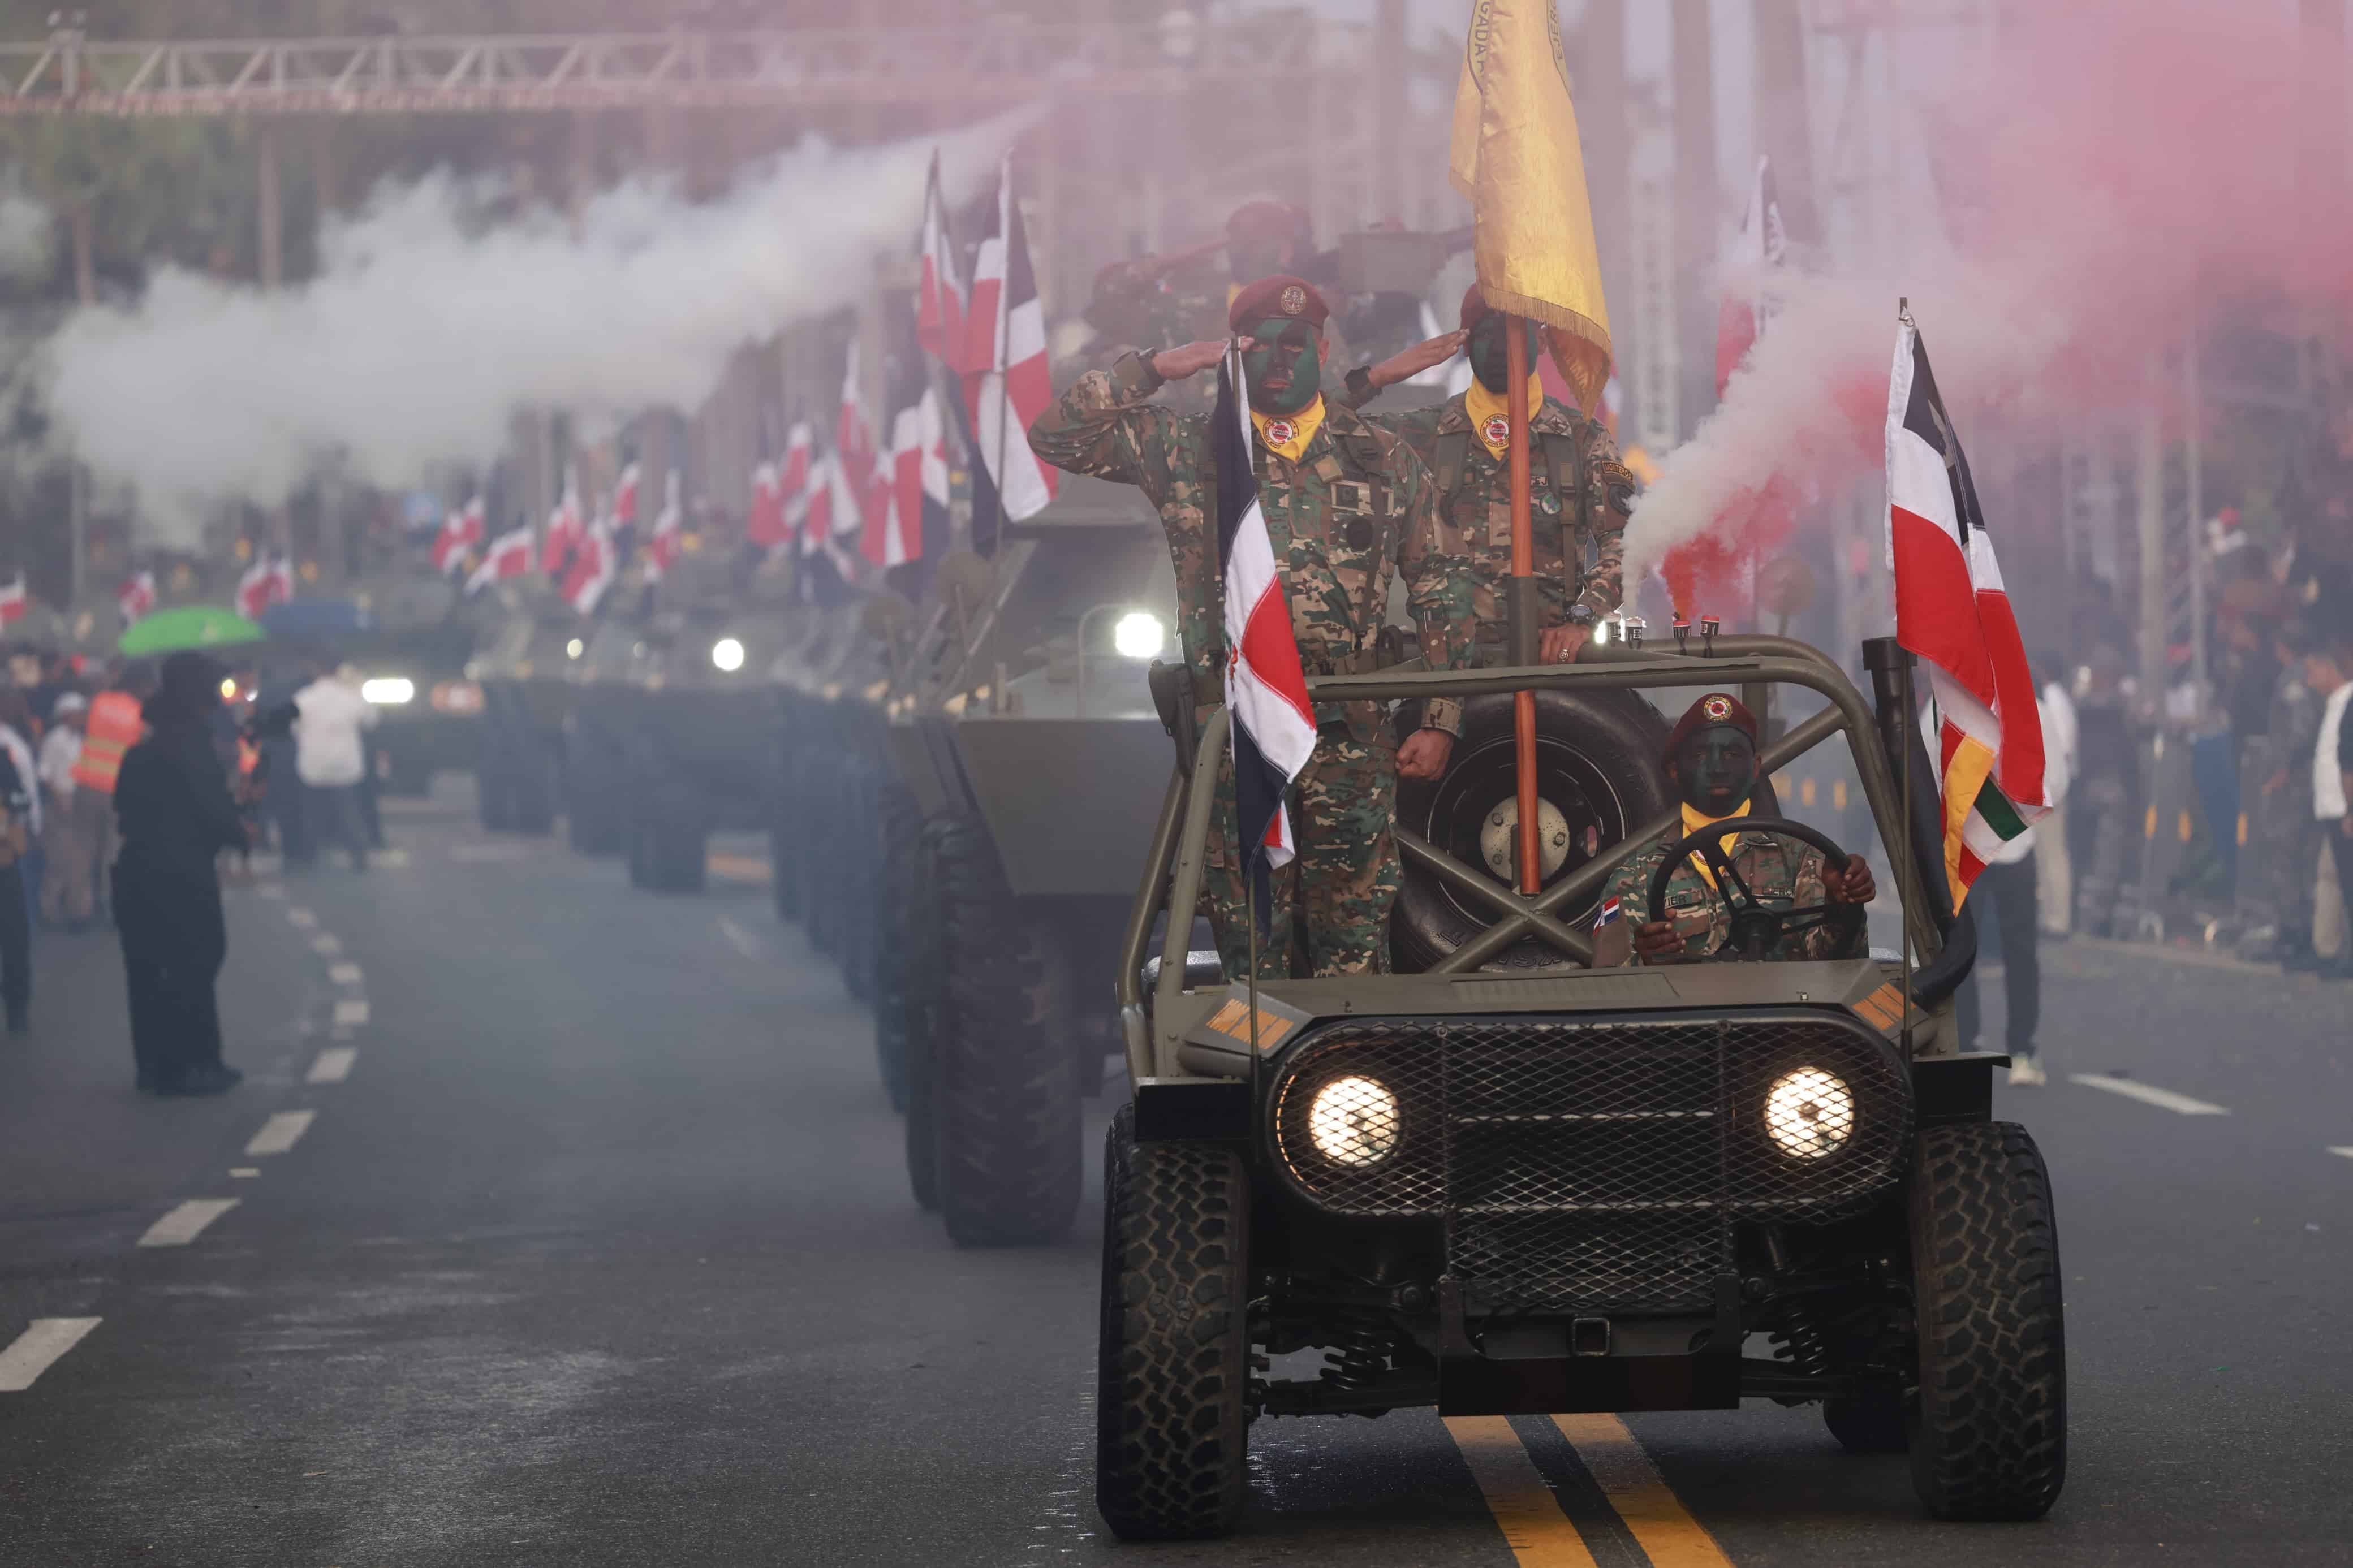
point(1711, 757)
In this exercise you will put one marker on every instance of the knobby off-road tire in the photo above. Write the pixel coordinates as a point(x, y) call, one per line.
point(1172, 1419)
point(858, 878)
point(1007, 1076)
point(901, 836)
point(925, 994)
point(1990, 1438)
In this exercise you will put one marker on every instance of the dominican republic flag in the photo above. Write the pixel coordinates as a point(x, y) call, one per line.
point(266, 582)
point(662, 549)
point(460, 532)
point(940, 303)
point(1006, 382)
point(625, 495)
point(566, 526)
point(508, 556)
point(856, 458)
point(1266, 691)
point(919, 502)
point(795, 474)
point(14, 601)
point(595, 562)
point(136, 596)
point(1952, 611)
point(1758, 251)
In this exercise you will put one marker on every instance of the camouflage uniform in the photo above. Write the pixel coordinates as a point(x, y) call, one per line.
point(1579, 497)
point(1773, 868)
point(1357, 506)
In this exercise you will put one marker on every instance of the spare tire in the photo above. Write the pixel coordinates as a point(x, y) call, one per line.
point(1598, 765)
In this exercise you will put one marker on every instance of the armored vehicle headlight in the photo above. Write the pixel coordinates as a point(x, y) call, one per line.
point(1810, 1113)
point(1353, 1122)
point(727, 654)
point(1139, 635)
point(388, 690)
point(573, 648)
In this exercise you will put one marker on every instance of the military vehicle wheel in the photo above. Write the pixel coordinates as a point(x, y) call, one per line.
point(596, 818)
point(1172, 1403)
point(857, 865)
point(902, 834)
point(670, 837)
point(1597, 768)
point(1990, 1438)
point(1007, 1076)
point(494, 799)
point(531, 798)
point(924, 994)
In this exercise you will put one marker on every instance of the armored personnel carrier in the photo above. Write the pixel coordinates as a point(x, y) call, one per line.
point(523, 672)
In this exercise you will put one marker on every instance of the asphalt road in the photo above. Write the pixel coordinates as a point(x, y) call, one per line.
point(596, 1249)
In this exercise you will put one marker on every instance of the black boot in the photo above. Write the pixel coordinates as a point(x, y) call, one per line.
point(212, 1077)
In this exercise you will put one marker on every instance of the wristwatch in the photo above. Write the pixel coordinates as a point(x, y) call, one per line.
point(1583, 614)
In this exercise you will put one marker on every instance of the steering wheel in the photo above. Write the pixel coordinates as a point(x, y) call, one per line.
point(1755, 925)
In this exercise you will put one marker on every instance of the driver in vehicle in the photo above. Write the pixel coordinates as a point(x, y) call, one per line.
point(1711, 757)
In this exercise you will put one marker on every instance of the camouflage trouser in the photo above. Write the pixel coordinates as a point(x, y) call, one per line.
point(1344, 878)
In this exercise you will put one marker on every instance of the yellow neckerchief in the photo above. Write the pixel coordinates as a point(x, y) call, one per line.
point(1482, 405)
point(1303, 425)
point(1695, 819)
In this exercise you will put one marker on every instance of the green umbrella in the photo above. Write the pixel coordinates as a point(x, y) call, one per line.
point(191, 625)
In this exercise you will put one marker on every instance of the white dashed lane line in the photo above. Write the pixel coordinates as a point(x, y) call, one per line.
point(33, 1352)
point(326, 943)
point(187, 1222)
point(301, 918)
point(334, 1065)
point(2163, 1099)
point(280, 1132)
point(345, 974)
point(245, 1172)
point(2344, 1151)
point(742, 940)
point(352, 1010)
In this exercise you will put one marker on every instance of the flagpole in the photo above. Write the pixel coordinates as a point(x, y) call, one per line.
point(1523, 605)
point(1001, 396)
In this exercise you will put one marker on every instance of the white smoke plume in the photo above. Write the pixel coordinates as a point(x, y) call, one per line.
point(424, 331)
point(2080, 198)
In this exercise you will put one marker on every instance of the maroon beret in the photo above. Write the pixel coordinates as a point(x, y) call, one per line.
point(1275, 297)
point(1716, 708)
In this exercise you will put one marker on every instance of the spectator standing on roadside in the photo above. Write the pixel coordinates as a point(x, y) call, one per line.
point(17, 735)
point(2007, 889)
point(173, 802)
point(74, 818)
point(2054, 871)
point(331, 758)
point(2329, 670)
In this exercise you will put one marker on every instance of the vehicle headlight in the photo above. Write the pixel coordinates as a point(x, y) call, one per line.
point(573, 648)
point(1353, 1122)
point(388, 690)
point(727, 654)
point(1810, 1113)
point(458, 697)
point(1139, 635)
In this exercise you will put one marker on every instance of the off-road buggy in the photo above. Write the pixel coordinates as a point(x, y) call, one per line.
point(1583, 1189)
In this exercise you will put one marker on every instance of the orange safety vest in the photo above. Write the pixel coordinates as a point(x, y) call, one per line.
point(114, 728)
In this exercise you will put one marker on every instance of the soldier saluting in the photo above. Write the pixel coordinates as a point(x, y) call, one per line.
point(1346, 506)
point(1580, 492)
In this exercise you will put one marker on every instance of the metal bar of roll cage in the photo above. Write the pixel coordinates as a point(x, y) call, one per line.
point(1178, 861)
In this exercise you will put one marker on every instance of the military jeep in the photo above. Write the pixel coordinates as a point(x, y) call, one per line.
point(1583, 1189)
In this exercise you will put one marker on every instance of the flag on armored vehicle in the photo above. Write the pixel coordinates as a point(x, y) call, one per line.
point(854, 452)
point(919, 499)
point(15, 600)
point(669, 527)
point(268, 581)
point(1266, 688)
point(1006, 382)
point(509, 555)
point(460, 532)
point(1953, 612)
point(764, 517)
point(1514, 153)
point(939, 304)
point(565, 527)
point(625, 495)
point(593, 563)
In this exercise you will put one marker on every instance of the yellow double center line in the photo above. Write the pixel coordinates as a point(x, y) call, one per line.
point(1540, 1533)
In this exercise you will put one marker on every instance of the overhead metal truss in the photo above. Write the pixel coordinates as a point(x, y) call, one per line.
point(982, 65)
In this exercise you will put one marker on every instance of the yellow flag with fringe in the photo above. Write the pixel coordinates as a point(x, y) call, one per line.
point(1516, 153)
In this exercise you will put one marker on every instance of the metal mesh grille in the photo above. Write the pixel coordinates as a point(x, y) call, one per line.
point(1582, 1164)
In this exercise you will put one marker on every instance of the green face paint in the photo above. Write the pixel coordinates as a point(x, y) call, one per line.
point(1490, 351)
point(1287, 353)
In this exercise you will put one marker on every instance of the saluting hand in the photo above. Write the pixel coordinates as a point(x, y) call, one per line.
point(1176, 364)
point(1407, 364)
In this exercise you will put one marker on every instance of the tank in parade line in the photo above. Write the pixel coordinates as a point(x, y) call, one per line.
point(412, 656)
point(1037, 767)
point(523, 672)
point(692, 719)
